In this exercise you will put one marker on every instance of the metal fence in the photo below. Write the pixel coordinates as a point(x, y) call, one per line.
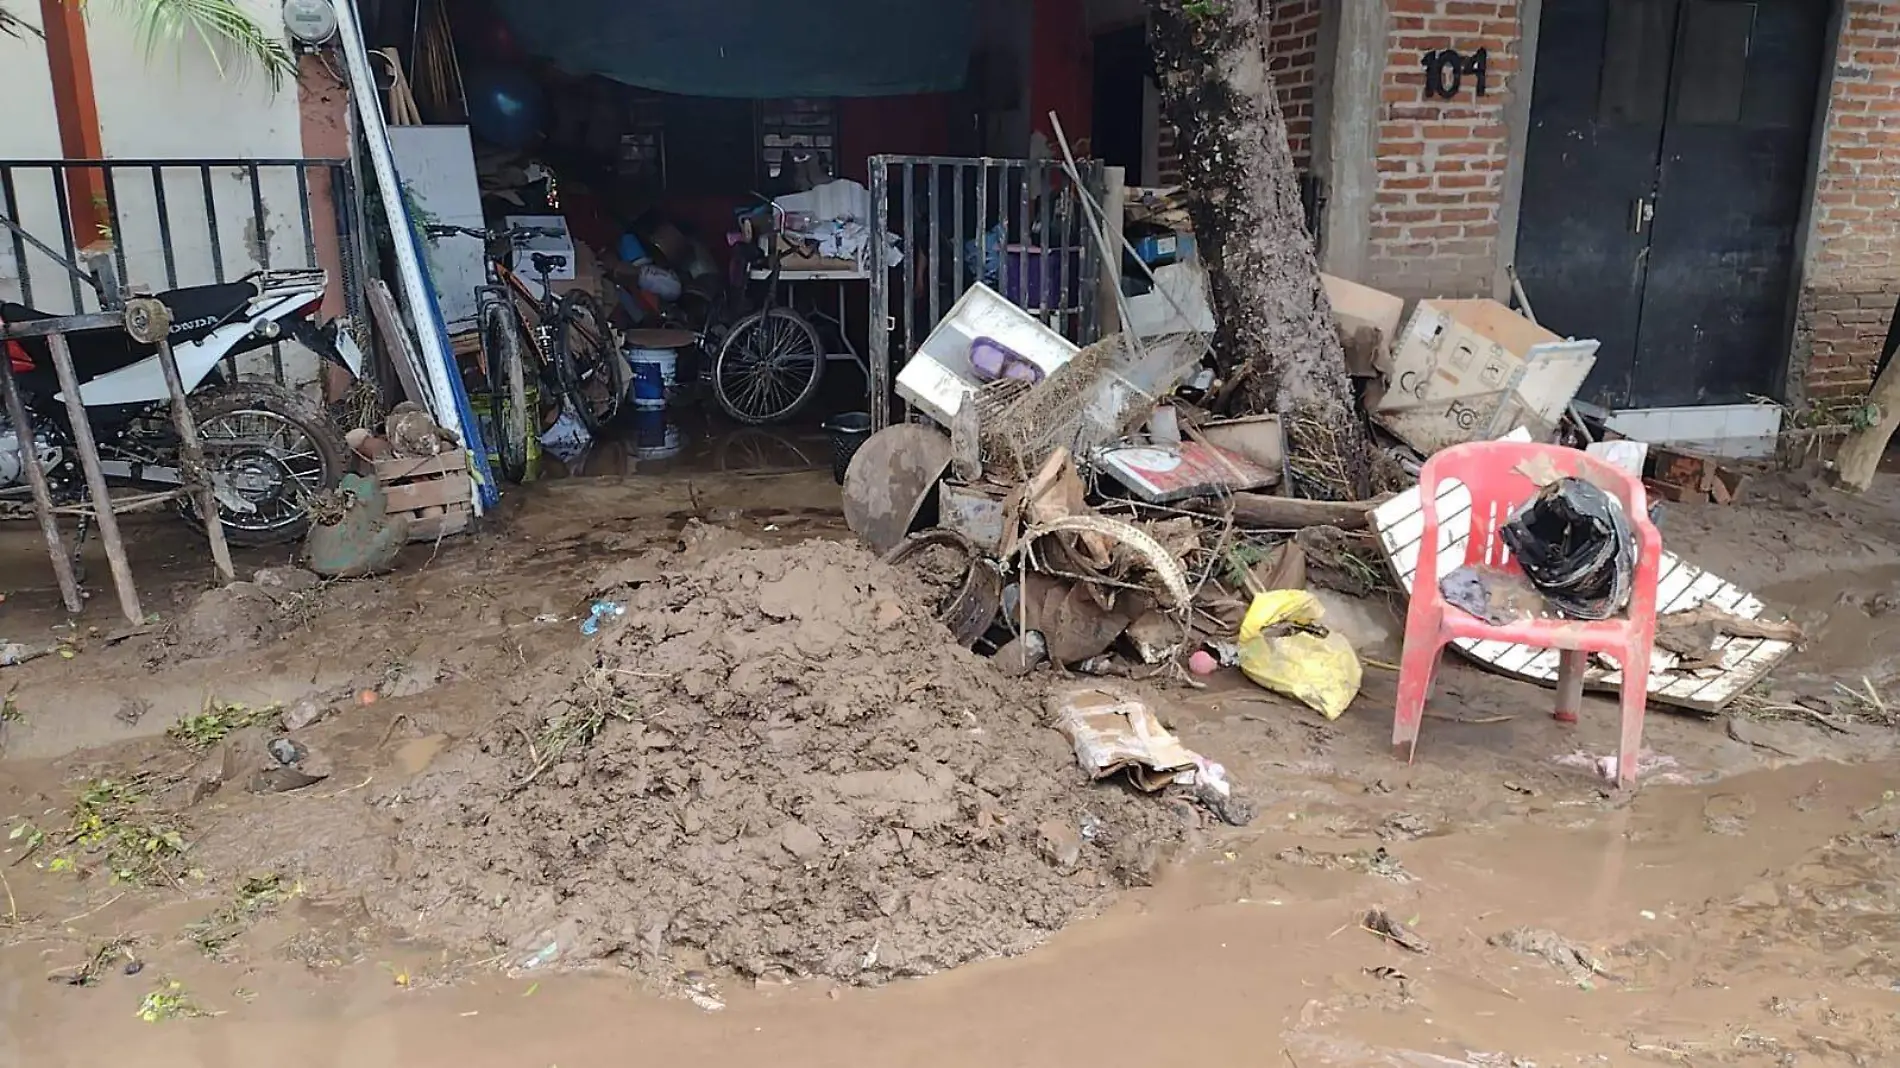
point(1017, 225)
point(173, 223)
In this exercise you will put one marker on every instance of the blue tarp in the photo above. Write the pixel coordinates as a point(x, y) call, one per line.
point(755, 48)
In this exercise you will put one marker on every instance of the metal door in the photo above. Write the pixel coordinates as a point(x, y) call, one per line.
point(1664, 177)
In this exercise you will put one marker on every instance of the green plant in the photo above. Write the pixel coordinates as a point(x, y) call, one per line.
point(256, 896)
point(136, 846)
point(205, 729)
point(169, 1002)
point(230, 36)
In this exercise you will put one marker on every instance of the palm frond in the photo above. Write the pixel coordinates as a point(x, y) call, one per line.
point(14, 26)
point(229, 34)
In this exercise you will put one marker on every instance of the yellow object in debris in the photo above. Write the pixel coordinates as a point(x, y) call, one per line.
point(1314, 666)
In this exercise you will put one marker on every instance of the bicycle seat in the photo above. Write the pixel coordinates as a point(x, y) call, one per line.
point(546, 264)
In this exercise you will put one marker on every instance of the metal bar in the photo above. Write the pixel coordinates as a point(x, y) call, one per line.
point(42, 495)
point(958, 171)
point(1023, 244)
point(63, 197)
point(65, 324)
point(1094, 258)
point(164, 228)
point(262, 236)
point(160, 161)
point(910, 261)
point(349, 241)
point(879, 328)
point(983, 219)
point(19, 245)
point(211, 224)
point(117, 238)
point(933, 267)
point(196, 479)
point(303, 208)
point(95, 480)
point(1051, 242)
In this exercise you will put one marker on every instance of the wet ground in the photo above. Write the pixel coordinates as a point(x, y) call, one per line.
point(1740, 909)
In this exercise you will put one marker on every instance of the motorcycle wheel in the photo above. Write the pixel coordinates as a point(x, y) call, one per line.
point(273, 449)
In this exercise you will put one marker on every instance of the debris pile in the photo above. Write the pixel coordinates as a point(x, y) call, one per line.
point(775, 762)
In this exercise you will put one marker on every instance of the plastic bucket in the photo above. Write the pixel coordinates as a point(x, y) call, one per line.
point(848, 431)
point(653, 437)
point(653, 376)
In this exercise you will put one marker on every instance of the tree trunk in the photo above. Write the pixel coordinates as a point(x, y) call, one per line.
point(1859, 456)
point(1275, 333)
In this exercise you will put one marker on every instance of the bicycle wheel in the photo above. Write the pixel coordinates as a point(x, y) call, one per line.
point(593, 375)
point(507, 390)
point(769, 366)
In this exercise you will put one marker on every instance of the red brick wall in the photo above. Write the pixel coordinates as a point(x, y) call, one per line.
point(1853, 269)
point(1441, 162)
point(1292, 56)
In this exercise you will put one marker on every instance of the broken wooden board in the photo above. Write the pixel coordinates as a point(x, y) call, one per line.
point(1400, 525)
point(1685, 477)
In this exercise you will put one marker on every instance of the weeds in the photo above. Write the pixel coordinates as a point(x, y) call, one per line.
point(256, 897)
point(137, 847)
point(10, 711)
point(572, 730)
point(170, 1002)
point(218, 719)
point(101, 961)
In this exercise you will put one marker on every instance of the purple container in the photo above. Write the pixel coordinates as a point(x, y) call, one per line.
point(1029, 277)
point(991, 359)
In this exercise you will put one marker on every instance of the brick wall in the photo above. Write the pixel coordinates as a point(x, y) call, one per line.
point(1292, 56)
point(1441, 162)
point(1853, 268)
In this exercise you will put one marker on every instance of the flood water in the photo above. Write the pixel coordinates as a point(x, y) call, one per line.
point(1758, 914)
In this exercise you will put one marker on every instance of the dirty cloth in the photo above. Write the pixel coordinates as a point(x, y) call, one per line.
point(1497, 596)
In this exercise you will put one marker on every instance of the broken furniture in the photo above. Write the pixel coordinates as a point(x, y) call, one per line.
point(1498, 475)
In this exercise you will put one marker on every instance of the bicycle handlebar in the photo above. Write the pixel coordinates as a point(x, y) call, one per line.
point(512, 234)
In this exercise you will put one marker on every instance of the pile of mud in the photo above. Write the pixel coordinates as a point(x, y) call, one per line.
point(775, 762)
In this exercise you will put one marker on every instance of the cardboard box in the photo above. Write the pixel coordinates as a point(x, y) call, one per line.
point(1474, 370)
point(1357, 308)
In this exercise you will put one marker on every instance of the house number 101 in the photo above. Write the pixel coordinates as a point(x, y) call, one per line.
point(1445, 72)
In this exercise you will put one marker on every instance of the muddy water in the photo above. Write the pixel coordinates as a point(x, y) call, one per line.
point(1737, 923)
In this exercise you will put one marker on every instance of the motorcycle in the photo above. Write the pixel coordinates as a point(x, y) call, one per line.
point(268, 451)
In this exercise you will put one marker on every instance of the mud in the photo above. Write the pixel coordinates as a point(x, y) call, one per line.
point(1742, 902)
point(778, 763)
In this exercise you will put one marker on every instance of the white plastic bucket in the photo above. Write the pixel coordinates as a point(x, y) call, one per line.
point(653, 376)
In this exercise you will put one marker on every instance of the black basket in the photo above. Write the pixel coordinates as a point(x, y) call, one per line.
point(849, 432)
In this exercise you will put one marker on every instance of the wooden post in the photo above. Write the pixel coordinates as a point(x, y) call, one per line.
point(42, 496)
point(95, 480)
point(192, 460)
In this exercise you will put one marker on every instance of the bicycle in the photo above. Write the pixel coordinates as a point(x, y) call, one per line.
point(770, 362)
point(572, 343)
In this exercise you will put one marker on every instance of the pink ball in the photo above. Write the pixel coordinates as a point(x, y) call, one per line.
point(1202, 662)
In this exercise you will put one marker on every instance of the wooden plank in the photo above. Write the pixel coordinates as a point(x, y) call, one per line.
point(434, 528)
point(392, 469)
point(434, 493)
point(408, 364)
point(1398, 525)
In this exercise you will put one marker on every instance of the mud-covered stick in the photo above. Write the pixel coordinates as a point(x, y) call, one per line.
point(95, 480)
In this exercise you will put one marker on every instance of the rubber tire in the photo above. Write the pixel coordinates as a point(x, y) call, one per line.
point(507, 390)
point(568, 366)
point(739, 329)
point(306, 415)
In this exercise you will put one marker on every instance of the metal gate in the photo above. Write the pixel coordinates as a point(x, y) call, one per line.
point(1018, 225)
point(172, 223)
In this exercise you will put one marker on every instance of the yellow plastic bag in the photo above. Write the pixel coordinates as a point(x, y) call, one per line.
point(1322, 672)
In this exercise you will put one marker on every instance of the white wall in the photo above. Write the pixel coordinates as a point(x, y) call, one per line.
point(168, 104)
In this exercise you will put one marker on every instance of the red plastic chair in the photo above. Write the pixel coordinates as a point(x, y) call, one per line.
point(1494, 472)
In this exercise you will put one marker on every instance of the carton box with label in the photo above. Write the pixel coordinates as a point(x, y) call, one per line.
point(1474, 370)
